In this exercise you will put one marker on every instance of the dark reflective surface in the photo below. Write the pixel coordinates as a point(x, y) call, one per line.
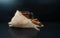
point(50, 30)
point(23, 33)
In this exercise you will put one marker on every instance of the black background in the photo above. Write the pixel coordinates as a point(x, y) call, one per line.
point(47, 11)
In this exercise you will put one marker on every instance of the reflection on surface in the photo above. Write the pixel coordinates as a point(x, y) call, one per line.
point(23, 33)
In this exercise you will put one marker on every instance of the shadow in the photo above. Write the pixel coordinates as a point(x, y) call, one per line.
point(23, 33)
